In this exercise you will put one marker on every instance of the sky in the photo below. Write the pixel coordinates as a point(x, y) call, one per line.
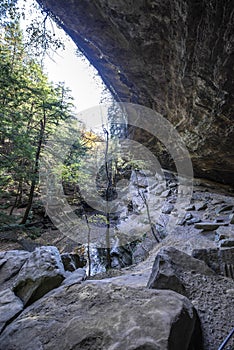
point(66, 66)
point(77, 73)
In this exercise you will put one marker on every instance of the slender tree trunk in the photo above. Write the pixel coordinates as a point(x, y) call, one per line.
point(143, 197)
point(16, 199)
point(108, 248)
point(108, 194)
point(35, 173)
point(149, 218)
point(89, 232)
point(88, 246)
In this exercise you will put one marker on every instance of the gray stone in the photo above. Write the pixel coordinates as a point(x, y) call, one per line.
point(10, 264)
point(75, 277)
point(10, 307)
point(105, 316)
point(42, 272)
point(72, 261)
point(141, 251)
point(121, 256)
point(185, 79)
point(219, 237)
point(201, 206)
point(190, 207)
point(219, 260)
point(159, 189)
point(168, 269)
point(219, 219)
point(207, 226)
point(173, 184)
point(226, 231)
point(224, 243)
point(165, 277)
point(187, 217)
point(167, 208)
point(231, 217)
point(193, 221)
point(224, 207)
point(165, 194)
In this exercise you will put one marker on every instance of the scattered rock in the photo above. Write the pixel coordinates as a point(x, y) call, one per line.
point(207, 226)
point(159, 189)
point(218, 220)
point(10, 307)
point(105, 316)
point(42, 272)
point(224, 243)
point(224, 207)
point(173, 184)
point(187, 217)
point(226, 231)
point(190, 207)
point(201, 206)
point(167, 208)
point(165, 194)
point(219, 236)
point(121, 256)
point(141, 251)
point(231, 217)
point(72, 261)
point(230, 292)
point(193, 221)
point(29, 244)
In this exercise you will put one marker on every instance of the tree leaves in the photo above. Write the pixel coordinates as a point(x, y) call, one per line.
point(30, 108)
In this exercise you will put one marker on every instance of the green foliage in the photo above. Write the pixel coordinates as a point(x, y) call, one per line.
point(41, 37)
point(31, 108)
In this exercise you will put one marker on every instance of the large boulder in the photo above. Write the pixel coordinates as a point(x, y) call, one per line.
point(221, 260)
point(169, 267)
point(42, 272)
point(10, 264)
point(94, 316)
point(10, 307)
point(211, 294)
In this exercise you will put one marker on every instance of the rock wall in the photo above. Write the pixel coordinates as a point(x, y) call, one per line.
point(173, 56)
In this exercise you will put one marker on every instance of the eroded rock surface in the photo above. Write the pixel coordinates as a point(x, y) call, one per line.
point(212, 295)
point(170, 265)
point(209, 288)
point(175, 57)
point(104, 316)
point(10, 264)
point(221, 260)
point(10, 307)
point(42, 272)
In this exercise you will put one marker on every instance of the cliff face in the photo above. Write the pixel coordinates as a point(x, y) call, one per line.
point(174, 56)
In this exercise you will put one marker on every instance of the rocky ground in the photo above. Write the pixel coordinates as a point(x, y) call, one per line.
point(204, 232)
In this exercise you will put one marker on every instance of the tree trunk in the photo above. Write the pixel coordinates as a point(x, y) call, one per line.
point(16, 198)
point(35, 173)
point(108, 197)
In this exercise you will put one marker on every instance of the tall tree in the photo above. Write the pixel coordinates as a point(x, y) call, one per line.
point(31, 108)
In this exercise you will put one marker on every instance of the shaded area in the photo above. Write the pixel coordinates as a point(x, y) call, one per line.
point(175, 57)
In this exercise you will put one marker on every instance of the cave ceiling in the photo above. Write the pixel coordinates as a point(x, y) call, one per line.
point(173, 56)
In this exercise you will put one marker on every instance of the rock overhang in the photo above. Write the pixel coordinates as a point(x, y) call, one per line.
point(175, 57)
